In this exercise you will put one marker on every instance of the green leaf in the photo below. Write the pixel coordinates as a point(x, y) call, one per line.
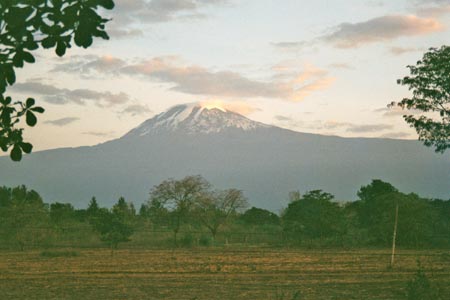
point(30, 102)
point(26, 147)
point(31, 45)
point(30, 119)
point(61, 49)
point(10, 76)
point(38, 109)
point(16, 153)
point(18, 60)
point(28, 57)
point(108, 4)
point(83, 39)
point(48, 42)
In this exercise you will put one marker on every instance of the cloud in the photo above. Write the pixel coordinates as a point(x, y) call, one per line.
point(335, 125)
point(395, 135)
point(197, 80)
point(385, 28)
point(294, 85)
point(434, 11)
point(125, 33)
point(60, 96)
point(283, 118)
point(242, 108)
point(130, 14)
point(376, 3)
point(331, 126)
point(428, 2)
point(99, 133)
point(343, 66)
point(156, 11)
point(289, 46)
point(402, 50)
point(348, 126)
point(368, 128)
point(136, 110)
point(62, 121)
point(396, 111)
point(84, 65)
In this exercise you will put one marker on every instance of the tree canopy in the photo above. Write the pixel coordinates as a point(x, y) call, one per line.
point(25, 26)
point(312, 215)
point(430, 84)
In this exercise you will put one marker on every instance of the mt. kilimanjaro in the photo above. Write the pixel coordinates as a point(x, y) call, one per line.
point(230, 151)
point(194, 119)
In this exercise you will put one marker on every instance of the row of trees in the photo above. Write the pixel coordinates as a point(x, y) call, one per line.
point(192, 205)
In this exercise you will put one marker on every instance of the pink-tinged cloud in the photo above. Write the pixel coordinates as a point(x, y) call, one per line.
point(197, 80)
point(435, 11)
point(239, 107)
point(402, 50)
point(352, 35)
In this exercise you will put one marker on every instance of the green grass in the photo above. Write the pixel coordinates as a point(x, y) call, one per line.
point(51, 254)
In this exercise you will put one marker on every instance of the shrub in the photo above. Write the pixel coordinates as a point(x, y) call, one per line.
point(187, 240)
point(204, 241)
point(420, 288)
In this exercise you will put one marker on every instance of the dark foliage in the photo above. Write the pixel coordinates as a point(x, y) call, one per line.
point(430, 84)
point(25, 26)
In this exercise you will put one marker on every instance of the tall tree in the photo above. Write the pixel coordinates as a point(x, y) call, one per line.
point(215, 209)
point(430, 85)
point(178, 198)
point(92, 207)
point(125, 211)
point(26, 25)
point(377, 213)
point(312, 216)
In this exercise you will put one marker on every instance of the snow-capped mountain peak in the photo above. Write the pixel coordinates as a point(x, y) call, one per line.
point(195, 118)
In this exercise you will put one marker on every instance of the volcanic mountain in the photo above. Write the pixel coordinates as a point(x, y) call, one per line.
point(229, 150)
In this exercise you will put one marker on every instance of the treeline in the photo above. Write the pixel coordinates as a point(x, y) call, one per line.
point(190, 212)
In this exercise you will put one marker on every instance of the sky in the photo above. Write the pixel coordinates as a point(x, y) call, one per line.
point(327, 67)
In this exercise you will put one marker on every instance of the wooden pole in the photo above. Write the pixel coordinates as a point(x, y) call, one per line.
point(394, 236)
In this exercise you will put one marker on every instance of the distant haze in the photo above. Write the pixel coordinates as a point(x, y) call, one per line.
point(230, 151)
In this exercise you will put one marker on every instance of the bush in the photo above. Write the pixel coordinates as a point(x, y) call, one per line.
point(420, 288)
point(204, 241)
point(187, 240)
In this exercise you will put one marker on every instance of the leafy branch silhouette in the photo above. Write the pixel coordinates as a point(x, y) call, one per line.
point(25, 26)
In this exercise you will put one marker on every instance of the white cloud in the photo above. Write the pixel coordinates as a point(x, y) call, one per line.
point(385, 28)
point(129, 15)
point(62, 122)
point(136, 110)
point(60, 96)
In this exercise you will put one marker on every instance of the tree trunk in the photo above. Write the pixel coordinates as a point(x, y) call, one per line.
point(214, 233)
point(175, 232)
point(394, 236)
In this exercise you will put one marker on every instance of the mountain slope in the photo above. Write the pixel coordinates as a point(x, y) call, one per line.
point(231, 151)
point(194, 119)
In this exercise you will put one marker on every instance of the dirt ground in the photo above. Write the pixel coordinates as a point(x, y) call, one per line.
point(279, 274)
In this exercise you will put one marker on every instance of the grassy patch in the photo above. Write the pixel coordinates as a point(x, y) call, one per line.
point(51, 254)
point(206, 273)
